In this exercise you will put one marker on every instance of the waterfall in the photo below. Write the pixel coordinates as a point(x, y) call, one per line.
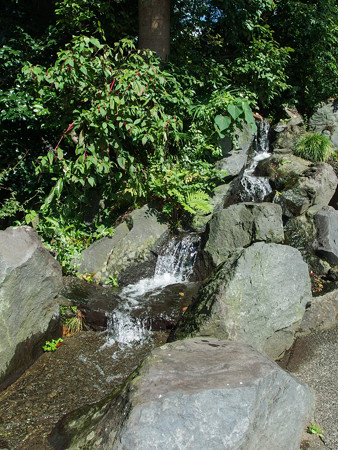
point(123, 330)
point(179, 259)
point(174, 266)
point(254, 188)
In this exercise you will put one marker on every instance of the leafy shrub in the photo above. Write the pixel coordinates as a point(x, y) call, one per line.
point(65, 240)
point(314, 147)
point(125, 121)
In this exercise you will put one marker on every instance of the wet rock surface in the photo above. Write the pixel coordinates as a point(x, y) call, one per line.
point(82, 370)
point(158, 309)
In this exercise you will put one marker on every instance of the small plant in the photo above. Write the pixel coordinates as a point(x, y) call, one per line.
point(72, 319)
point(86, 276)
point(315, 429)
point(314, 147)
point(51, 346)
point(75, 324)
point(112, 280)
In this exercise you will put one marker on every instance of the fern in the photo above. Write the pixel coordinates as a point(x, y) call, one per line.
point(197, 201)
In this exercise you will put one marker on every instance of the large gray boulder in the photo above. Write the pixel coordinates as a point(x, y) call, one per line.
point(326, 245)
point(219, 197)
point(94, 258)
point(258, 296)
point(30, 279)
point(283, 168)
point(131, 244)
point(311, 191)
point(198, 394)
point(239, 226)
point(300, 185)
point(325, 120)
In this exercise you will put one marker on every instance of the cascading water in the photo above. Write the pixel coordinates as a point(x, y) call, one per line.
point(255, 188)
point(121, 329)
point(173, 267)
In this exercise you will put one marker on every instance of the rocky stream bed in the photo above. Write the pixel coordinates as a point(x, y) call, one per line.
point(82, 370)
point(261, 256)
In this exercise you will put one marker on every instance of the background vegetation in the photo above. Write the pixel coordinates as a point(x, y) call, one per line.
point(91, 126)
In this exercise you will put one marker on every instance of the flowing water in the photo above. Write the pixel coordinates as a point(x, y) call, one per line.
point(253, 187)
point(136, 318)
point(91, 364)
point(132, 320)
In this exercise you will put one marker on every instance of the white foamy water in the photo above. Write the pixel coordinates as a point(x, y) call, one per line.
point(123, 330)
point(142, 287)
point(174, 266)
point(255, 188)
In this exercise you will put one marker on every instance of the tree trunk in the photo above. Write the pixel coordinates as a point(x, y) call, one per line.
point(154, 26)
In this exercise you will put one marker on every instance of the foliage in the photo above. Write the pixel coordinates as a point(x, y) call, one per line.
point(64, 310)
point(114, 102)
point(224, 112)
point(315, 429)
point(238, 38)
point(66, 240)
point(123, 121)
point(310, 28)
point(112, 280)
point(75, 325)
point(51, 346)
point(91, 126)
point(314, 147)
point(261, 68)
point(76, 17)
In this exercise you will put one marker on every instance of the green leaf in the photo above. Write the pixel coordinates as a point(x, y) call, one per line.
point(234, 111)
point(121, 162)
point(144, 140)
point(222, 122)
point(59, 187)
point(95, 42)
point(91, 181)
point(55, 192)
point(248, 115)
point(50, 156)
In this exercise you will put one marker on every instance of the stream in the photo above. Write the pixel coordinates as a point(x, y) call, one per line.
point(90, 364)
point(129, 322)
point(255, 188)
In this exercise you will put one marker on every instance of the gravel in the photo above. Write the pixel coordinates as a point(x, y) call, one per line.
point(314, 361)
